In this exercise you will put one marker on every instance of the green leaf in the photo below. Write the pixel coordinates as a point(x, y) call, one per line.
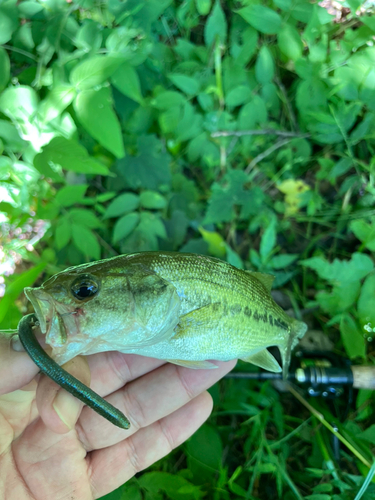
point(341, 271)
point(152, 200)
point(68, 155)
point(203, 7)
point(94, 71)
point(364, 232)
point(368, 434)
point(185, 83)
point(283, 260)
point(19, 103)
point(69, 195)
point(168, 99)
point(216, 26)
point(216, 244)
point(268, 240)
point(150, 168)
point(124, 226)
point(56, 101)
point(225, 196)
point(151, 224)
point(85, 241)
point(264, 66)
point(261, 18)
point(174, 486)
point(205, 448)
point(95, 112)
point(340, 299)
point(366, 301)
point(16, 287)
point(238, 95)
point(8, 21)
point(126, 80)
point(63, 233)
point(83, 217)
point(290, 42)
point(352, 338)
point(252, 113)
point(4, 69)
point(127, 202)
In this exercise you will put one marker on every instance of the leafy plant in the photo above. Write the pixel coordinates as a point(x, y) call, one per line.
point(243, 130)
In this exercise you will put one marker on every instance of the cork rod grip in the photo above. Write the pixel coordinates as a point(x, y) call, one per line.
point(363, 377)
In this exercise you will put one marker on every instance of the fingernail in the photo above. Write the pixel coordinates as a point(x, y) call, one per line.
point(67, 407)
point(16, 344)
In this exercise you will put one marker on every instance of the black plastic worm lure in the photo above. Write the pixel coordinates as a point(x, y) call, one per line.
point(64, 379)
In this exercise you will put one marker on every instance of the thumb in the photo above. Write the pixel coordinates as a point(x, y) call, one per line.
point(58, 409)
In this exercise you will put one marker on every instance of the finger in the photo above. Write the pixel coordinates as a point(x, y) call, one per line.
point(146, 400)
point(58, 409)
point(16, 368)
point(112, 370)
point(113, 466)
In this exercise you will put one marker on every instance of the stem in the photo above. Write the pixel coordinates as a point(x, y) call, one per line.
point(334, 431)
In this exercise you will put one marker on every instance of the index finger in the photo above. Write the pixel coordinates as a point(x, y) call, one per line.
point(16, 368)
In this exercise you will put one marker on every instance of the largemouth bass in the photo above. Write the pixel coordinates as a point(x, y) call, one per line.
point(183, 308)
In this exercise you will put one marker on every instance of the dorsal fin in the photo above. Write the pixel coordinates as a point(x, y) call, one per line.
point(265, 279)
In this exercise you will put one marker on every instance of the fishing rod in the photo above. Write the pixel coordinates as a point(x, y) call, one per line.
point(320, 374)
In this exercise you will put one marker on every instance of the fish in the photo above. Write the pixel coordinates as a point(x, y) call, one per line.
point(184, 308)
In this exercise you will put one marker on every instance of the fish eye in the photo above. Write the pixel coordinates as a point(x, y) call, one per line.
point(84, 287)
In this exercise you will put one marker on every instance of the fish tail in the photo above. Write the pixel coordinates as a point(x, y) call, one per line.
point(297, 331)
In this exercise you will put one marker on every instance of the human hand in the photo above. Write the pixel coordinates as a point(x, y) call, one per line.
point(51, 448)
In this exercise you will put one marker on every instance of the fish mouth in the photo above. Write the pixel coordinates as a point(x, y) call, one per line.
point(42, 304)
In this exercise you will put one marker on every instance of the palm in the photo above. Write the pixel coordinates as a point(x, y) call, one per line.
point(40, 458)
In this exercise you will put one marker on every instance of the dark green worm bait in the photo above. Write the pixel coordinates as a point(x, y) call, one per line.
point(64, 379)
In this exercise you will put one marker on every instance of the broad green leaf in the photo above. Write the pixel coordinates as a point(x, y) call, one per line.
point(185, 83)
point(124, 226)
point(341, 271)
point(233, 258)
point(8, 20)
point(174, 486)
point(85, 241)
point(366, 308)
point(283, 260)
point(368, 434)
point(83, 217)
point(63, 233)
point(238, 95)
point(203, 7)
point(19, 103)
point(149, 168)
point(252, 113)
point(244, 52)
point(340, 299)
point(168, 99)
point(365, 232)
point(126, 80)
point(127, 202)
point(152, 200)
point(16, 287)
point(261, 18)
point(264, 66)
point(206, 448)
point(216, 26)
point(95, 112)
point(56, 101)
point(68, 155)
point(268, 240)
point(151, 224)
point(4, 69)
point(290, 42)
point(69, 195)
point(216, 244)
point(94, 71)
point(352, 338)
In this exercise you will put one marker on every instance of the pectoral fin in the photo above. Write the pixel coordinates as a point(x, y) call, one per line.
point(197, 365)
point(265, 360)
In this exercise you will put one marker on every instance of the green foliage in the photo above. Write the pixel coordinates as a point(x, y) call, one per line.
point(243, 130)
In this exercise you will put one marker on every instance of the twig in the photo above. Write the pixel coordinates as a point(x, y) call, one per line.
point(266, 131)
point(265, 153)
